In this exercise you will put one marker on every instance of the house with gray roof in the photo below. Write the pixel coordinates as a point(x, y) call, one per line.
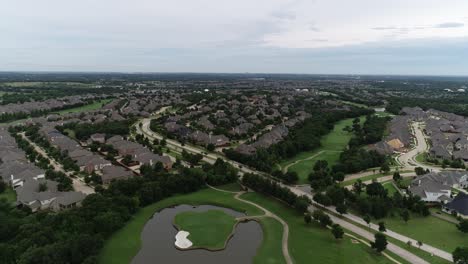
point(458, 205)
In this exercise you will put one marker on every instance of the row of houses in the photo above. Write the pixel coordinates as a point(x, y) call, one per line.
point(32, 189)
point(138, 152)
point(438, 188)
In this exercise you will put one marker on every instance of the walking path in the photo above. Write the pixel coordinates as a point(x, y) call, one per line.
point(350, 223)
point(267, 213)
point(285, 168)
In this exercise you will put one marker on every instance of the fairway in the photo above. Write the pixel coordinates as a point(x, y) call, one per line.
point(331, 146)
point(123, 245)
point(311, 242)
point(84, 108)
point(210, 229)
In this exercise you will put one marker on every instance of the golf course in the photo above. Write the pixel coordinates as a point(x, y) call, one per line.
point(331, 146)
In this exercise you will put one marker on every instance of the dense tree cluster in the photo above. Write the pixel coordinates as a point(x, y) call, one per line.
point(64, 183)
point(355, 159)
point(85, 130)
point(219, 173)
point(375, 203)
point(269, 187)
point(370, 132)
point(303, 137)
point(77, 235)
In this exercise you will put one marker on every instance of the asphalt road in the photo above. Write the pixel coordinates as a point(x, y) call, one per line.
point(211, 157)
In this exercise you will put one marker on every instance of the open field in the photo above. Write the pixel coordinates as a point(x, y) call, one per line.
point(9, 194)
point(84, 108)
point(312, 242)
point(332, 145)
point(431, 230)
point(209, 229)
point(125, 243)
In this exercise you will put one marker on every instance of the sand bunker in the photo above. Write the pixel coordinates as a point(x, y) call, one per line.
point(182, 241)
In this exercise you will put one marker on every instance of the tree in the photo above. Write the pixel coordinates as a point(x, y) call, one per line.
point(463, 226)
point(382, 227)
point(380, 243)
point(419, 244)
point(420, 171)
point(127, 159)
point(367, 219)
point(210, 147)
point(307, 218)
point(405, 215)
point(337, 231)
point(460, 255)
point(341, 208)
point(325, 220)
point(358, 186)
point(3, 186)
point(385, 168)
point(409, 243)
point(396, 176)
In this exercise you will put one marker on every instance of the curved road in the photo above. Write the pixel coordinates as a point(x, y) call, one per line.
point(211, 157)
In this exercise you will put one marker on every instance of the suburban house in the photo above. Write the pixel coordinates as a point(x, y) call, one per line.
point(437, 187)
point(31, 195)
point(458, 205)
point(112, 172)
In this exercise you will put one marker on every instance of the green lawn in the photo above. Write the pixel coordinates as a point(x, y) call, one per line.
point(84, 108)
point(125, 243)
point(9, 194)
point(365, 178)
point(210, 229)
point(314, 244)
point(390, 188)
point(429, 230)
point(332, 145)
point(231, 187)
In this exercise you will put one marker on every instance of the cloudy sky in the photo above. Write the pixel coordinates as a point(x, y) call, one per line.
point(427, 37)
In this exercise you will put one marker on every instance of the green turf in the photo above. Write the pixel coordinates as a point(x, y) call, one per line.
point(9, 194)
point(390, 188)
point(210, 229)
point(231, 187)
point(364, 179)
point(314, 244)
point(429, 230)
point(84, 108)
point(332, 145)
point(122, 246)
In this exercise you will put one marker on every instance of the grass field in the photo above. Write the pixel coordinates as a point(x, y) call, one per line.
point(209, 229)
point(390, 188)
point(314, 244)
point(331, 146)
point(9, 194)
point(431, 230)
point(125, 243)
point(84, 108)
point(232, 187)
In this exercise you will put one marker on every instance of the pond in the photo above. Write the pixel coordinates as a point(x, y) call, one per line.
point(158, 239)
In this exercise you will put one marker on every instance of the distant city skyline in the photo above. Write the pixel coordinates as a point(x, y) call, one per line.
point(418, 37)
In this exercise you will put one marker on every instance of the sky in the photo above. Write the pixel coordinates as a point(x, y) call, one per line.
point(409, 37)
